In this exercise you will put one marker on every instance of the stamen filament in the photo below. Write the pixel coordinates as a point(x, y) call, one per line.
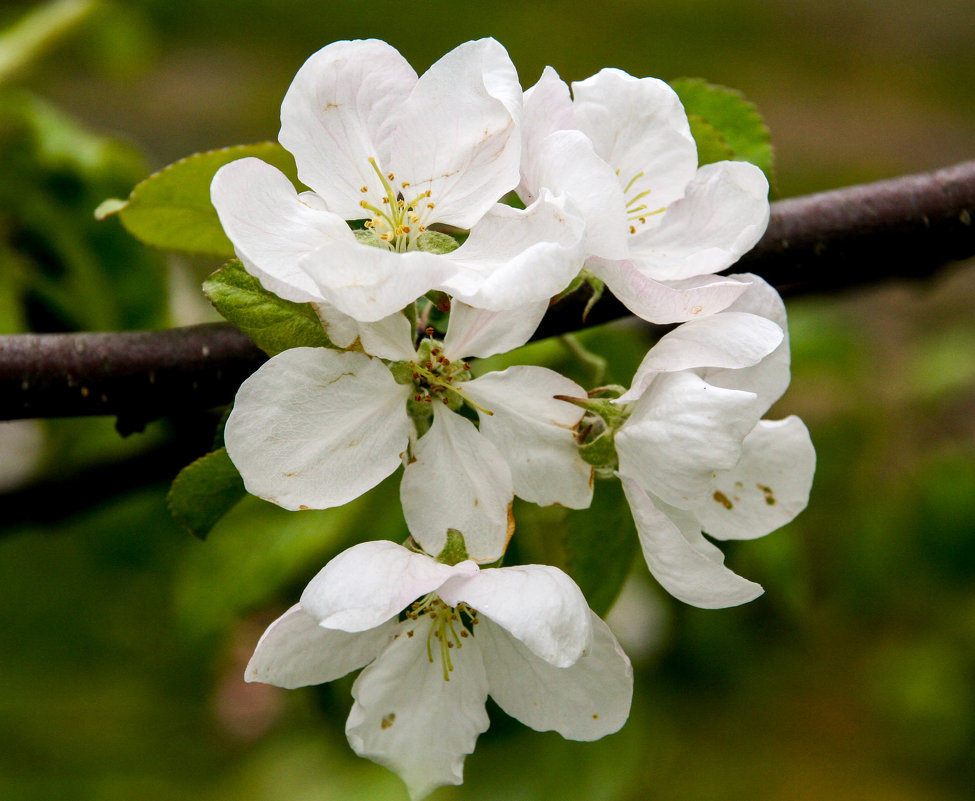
point(633, 180)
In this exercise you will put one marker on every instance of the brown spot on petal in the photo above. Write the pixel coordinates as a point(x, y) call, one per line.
point(767, 492)
point(721, 498)
point(388, 720)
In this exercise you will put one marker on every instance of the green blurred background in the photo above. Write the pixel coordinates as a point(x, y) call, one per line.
point(123, 639)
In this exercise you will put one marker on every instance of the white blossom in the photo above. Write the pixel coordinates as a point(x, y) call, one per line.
point(694, 455)
point(402, 155)
point(436, 640)
point(658, 226)
point(315, 428)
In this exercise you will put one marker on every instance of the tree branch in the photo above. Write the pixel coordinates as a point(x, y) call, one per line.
point(904, 227)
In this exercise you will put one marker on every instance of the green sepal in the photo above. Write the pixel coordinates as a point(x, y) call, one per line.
point(600, 543)
point(455, 551)
point(614, 414)
point(273, 323)
point(204, 491)
point(601, 452)
point(436, 242)
point(725, 125)
point(171, 209)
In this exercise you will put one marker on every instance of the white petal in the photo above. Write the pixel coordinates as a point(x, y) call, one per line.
point(730, 340)
point(372, 582)
point(296, 652)
point(538, 605)
point(680, 432)
point(476, 332)
point(547, 108)
point(767, 488)
point(586, 701)
point(388, 338)
point(723, 214)
point(341, 110)
point(458, 132)
point(535, 433)
point(687, 569)
point(370, 283)
point(666, 302)
point(409, 719)
point(316, 428)
point(513, 256)
point(566, 164)
point(770, 377)
point(638, 125)
point(459, 481)
point(270, 227)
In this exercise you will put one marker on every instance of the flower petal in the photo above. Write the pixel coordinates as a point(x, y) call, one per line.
point(767, 488)
point(340, 111)
point(459, 481)
point(680, 432)
point(408, 718)
point(538, 605)
point(722, 215)
point(458, 132)
point(547, 108)
point(315, 428)
point(370, 283)
point(535, 433)
point(514, 256)
point(566, 164)
point(388, 338)
point(666, 302)
point(372, 582)
point(728, 340)
point(296, 652)
point(770, 377)
point(639, 127)
point(476, 332)
point(687, 569)
point(585, 701)
point(271, 227)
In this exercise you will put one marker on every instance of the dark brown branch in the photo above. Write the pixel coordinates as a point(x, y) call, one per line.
point(904, 227)
point(137, 376)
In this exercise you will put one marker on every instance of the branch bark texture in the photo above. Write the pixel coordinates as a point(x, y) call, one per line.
point(822, 243)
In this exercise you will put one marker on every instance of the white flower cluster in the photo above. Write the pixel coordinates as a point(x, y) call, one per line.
point(406, 175)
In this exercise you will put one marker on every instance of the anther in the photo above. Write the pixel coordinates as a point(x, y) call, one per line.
point(429, 331)
point(364, 189)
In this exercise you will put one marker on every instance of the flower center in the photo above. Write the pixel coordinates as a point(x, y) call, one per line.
point(399, 215)
point(637, 210)
point(449, 627)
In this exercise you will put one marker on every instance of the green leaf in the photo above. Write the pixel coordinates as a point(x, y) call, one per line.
point(171, 209)
point(273, 323)
point(599, 545)
point(711, 145)
point(725, 125)
point(204, 491)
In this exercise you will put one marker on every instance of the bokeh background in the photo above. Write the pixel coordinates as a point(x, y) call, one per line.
point(123, 639)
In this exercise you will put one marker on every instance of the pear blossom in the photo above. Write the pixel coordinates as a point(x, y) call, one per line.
point(402, 157)
point(316, 428)
point(694, 455)
point(658, 226)
point(436, 640)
